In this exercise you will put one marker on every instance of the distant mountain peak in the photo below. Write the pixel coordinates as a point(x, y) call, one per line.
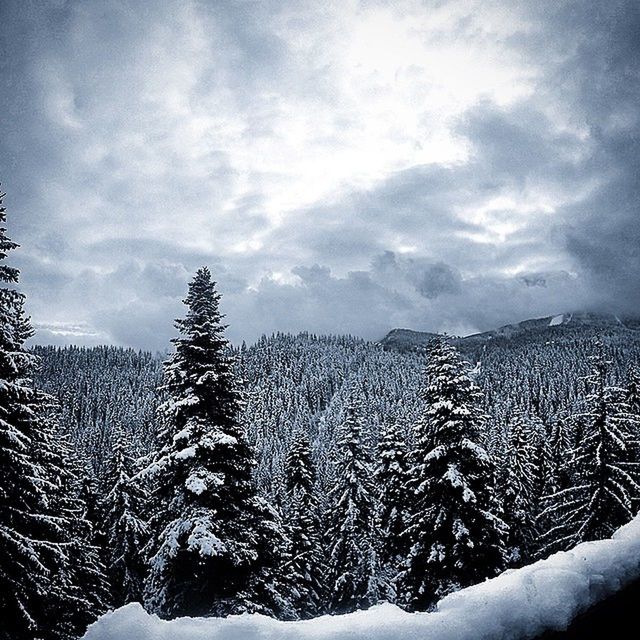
point(409, 339)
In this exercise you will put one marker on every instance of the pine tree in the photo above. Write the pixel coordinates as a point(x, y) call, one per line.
point(23, 561)
point(391, 480)
point(81, 593)
point(519, 484)
point(353, 563)
point(214, 541)
point(633, 391)
point(605, 469)
point(558, 460)
point(93, 507)
point(41, 564)
point(303, 566)
point(127, 532)
point(456, 535)
point(632, 399)
point(543, 461)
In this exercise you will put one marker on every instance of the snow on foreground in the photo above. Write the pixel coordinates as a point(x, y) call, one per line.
point(517, 604)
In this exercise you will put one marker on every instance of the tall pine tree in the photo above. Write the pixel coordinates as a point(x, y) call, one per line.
point(391, 518)
point(456, 535)
point(519, 488)
point(127, 532)
point(604, 466)
point(81, 593)
point(353, 562)
point(46, 576)
point(303, 568)
point(214, 541)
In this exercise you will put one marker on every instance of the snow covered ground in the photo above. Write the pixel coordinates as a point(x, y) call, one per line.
point(516, 605)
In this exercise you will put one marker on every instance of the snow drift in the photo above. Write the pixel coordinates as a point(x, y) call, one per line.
point(518, 604)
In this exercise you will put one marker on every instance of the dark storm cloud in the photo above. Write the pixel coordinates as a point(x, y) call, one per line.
point(603, 233)
point(399, 292)
point(331, 185)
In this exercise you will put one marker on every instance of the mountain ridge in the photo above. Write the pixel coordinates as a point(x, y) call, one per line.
point(409, 339)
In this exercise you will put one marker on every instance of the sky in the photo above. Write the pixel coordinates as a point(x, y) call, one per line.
point(342, 167)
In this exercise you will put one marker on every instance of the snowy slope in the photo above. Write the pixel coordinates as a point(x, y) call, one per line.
point(408, 340)
point(516, 605)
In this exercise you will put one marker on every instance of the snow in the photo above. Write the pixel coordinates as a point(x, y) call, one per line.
point(201, 480)
point(195, 484)
point(213, 440)
point(556, 320)
point(183, 434)
point(516, 605)
point(454, 476)
point(204, 541)
point(188, 452)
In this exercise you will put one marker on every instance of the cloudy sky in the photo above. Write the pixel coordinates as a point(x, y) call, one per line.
point(341, 166)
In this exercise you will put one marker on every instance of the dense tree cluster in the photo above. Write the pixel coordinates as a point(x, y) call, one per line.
point(48, 570)
point(301, 475)
point(455, 534)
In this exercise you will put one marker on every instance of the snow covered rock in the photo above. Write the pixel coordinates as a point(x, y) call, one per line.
point(516, 605)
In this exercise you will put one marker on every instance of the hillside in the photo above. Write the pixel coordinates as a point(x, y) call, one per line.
point(533, 376)
point(302, 382)
point(549, 327)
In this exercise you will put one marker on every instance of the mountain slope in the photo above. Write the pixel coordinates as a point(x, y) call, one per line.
point(547, 327)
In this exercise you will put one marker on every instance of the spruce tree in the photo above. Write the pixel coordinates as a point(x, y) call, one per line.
point(520, 484)
point(81, 594)
point(543, 461)
point(350, 535)
point(303, 566)
point(214, 541)
point(42, 566)
point(558, 461)
point(93, 507)
point(605, 469)
point(391, 518)
point(633, 390)
point(23, 561)
point(455, 532)
point(127, 532)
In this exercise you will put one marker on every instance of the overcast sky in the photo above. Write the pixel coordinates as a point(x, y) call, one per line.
point(341, 166)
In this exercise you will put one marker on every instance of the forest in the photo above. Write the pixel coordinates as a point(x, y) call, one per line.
point(301, 475)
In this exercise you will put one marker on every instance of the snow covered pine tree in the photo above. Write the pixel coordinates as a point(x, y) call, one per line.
point(604, 466)
point(353, 563)
point(518, 483)
point(455, 533)
point(127, 532)
point(303, 567)
point(391, 518)
point(214, 542)
point(82, 591)
point(41, 563)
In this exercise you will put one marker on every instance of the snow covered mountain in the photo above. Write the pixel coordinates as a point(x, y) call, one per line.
point(408, 340)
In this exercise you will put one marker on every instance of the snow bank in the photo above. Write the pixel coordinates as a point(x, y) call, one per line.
point(516, 605)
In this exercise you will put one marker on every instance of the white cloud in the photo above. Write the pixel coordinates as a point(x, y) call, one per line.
point(262, 137)
point(359, 92)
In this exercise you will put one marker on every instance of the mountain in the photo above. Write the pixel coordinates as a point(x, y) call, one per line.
point(406, 339)
point(547, 327)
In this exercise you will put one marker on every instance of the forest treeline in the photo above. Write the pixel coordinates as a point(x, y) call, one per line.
point(299, 476)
